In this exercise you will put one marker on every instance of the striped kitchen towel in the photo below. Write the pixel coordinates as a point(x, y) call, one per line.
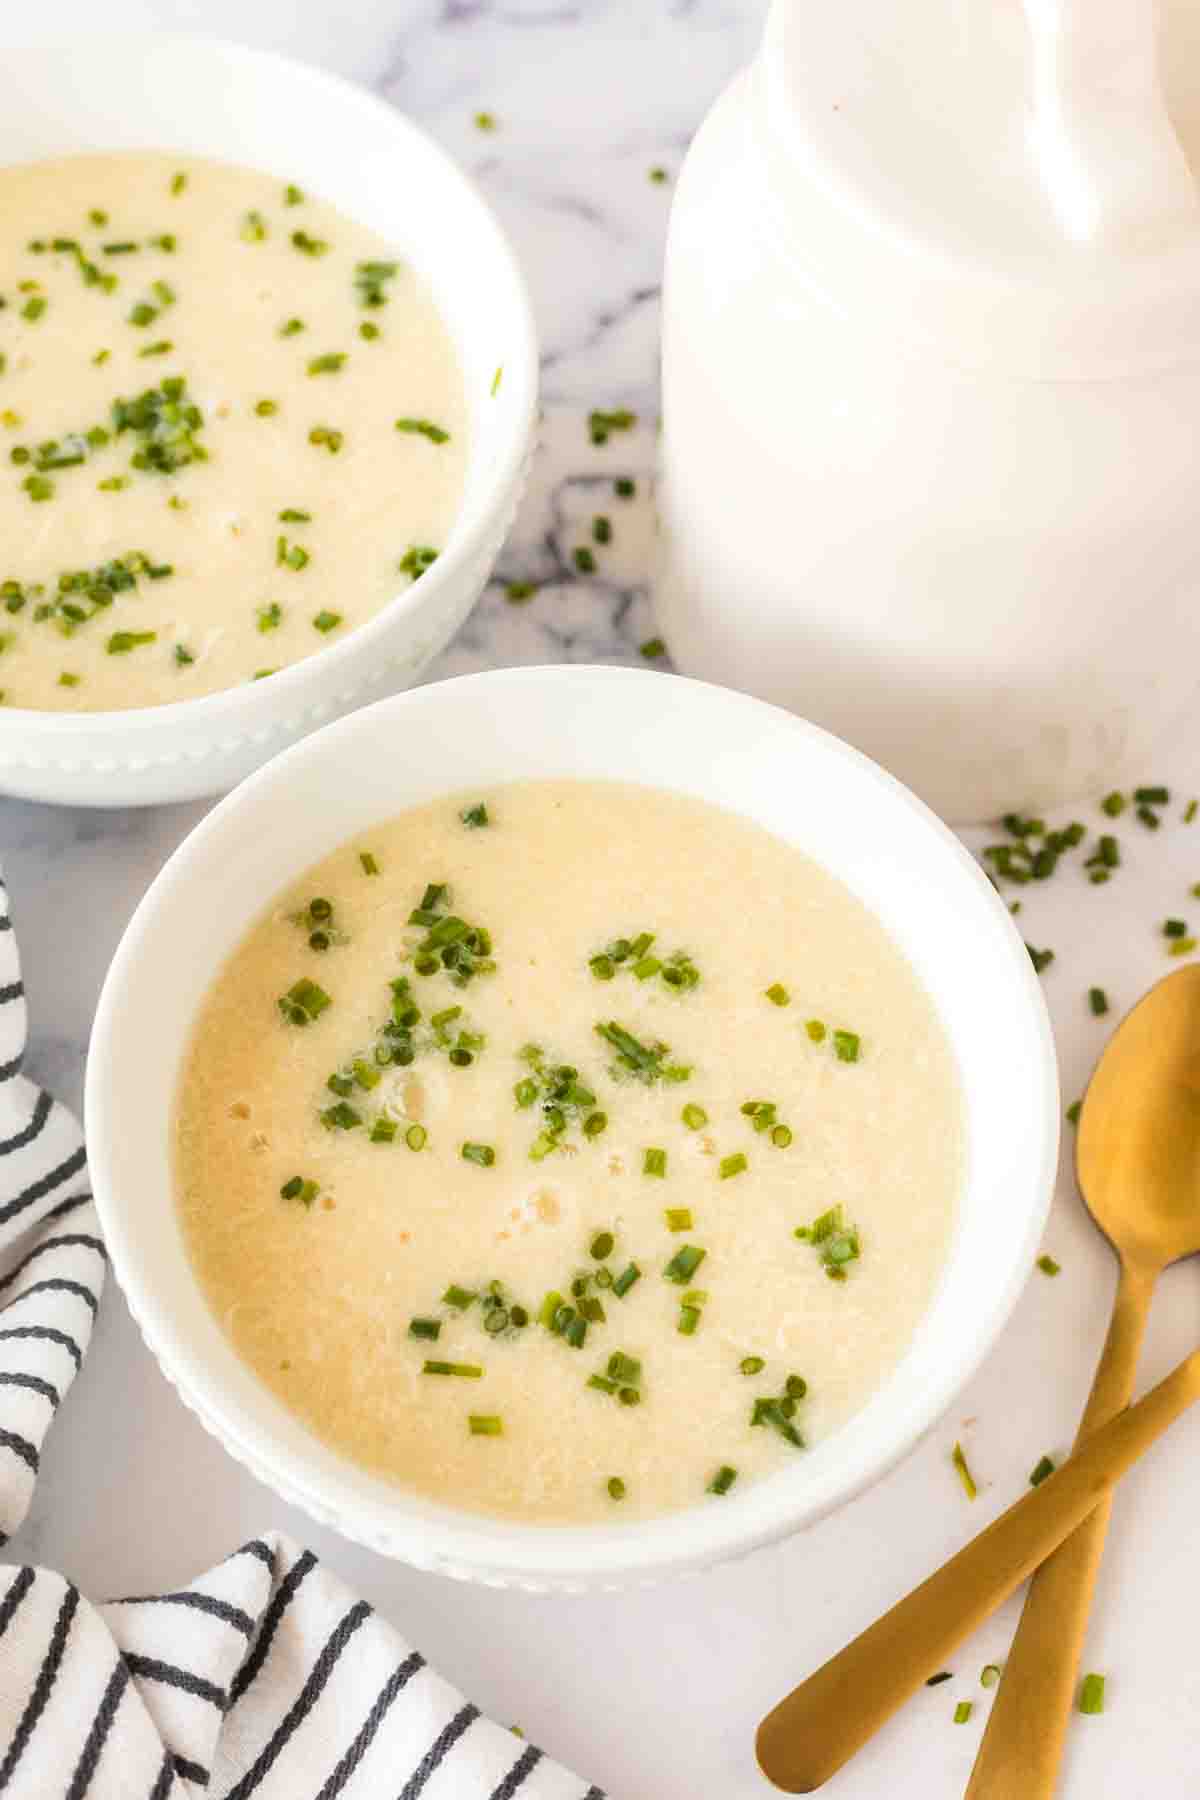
point(266, 1676)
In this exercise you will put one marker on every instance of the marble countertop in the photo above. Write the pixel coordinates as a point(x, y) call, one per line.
point(654, 1695)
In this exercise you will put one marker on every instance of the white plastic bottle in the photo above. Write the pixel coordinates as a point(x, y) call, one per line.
point(930, 468)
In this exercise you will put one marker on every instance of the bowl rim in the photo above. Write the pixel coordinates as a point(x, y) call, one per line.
point(560, 1558)
point(239, 708)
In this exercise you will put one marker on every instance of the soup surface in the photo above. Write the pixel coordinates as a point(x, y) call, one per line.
point(520, 1232)
point(232, 426)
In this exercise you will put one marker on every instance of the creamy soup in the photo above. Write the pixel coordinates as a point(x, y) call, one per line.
point(232, 427)
point(571, 1151)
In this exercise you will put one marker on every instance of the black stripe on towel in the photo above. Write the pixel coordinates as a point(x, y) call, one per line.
point(444, 1741)
point(38, 1190)
point(398, 1679)
point(47, 1674)
point(56, 1284)
point(205, 1603)
point(166, 1779)
point(20, 1446)
point(275, 1611)
point(594, 1793)
point(528, 1760)
point(12, 990)
point(256, 1547)
point(26, 1135)
point(66, 1238)
point(190, 1771)
point(12, 1067)
point(94, 1743)
point(149, 1668)
point(35, 1384)
point(307, 1698)
point(48, 1334)
point(15, 1595)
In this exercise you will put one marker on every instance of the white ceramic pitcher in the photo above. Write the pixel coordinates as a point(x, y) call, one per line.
point(930, 466)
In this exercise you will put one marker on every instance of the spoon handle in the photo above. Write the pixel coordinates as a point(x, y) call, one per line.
point(1022, 1745)
point(820, 1725)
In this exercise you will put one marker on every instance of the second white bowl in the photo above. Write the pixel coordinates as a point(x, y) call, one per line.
point(205, 98)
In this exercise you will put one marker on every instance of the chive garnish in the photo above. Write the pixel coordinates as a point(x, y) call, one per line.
point(291, 327)
point(308, 246)
point(732, 1165)
point(1048, 1266)
point(483, 1155)
point(601, 529)
point(330, 363)
point(468, 1371)
point(1043, 1467)
point(292, 195)
point(328, 436)
point(602, 1245)
point(269, 617)
point(723, 1480)
point(694, 1117)
point(34, 307)
point(1098, 1002)
point(415, 1137)
point(1073, 1112)
point(266, 409)
point(303, 1002)
point(430, 1329)
point(1041, 959)
point(1091, 1694)
point(679, 1218)
point(959, 1460)
point(123, 641)
point(601, 424)
point(292, 515)
point(517, 592)
point(485, 1424)
point(846, 1046)
point(752, 1365)
point(369, 866)
point(424, 428)
point(778, 995)
point(615, 1487)
point(683, 1265)
point(326, 621)
point(584, 559)
point(989, 1675)
point(652, 648)
point(1152, 796)
point(654, 1162)
point(474, 817)
point(962, 1712)
point(300, 1189)
point(485, 121)
point(178, 182)
point(383, 1130)
point(625, 1280)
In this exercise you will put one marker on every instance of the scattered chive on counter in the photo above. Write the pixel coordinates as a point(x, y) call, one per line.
point(1048, 1266)
point(1043, 1467)
point(962, 1712)
point(1091, 1694)
point(959, 1460)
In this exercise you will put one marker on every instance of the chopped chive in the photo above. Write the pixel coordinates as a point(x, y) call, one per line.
point(415, 1137)
point(602, 1245)
point(297, 1188)
point(942, 1675)
point(178, 182)
point(781, 1136)
point(624, 487)
point(1041, 959)
point(483, 1155)
point(846, 1045)
point(326, 621)
point(34, 307)
point(816, 1030)
point(123, 641)
point(292, 195)
point(425, 1328)
point(517, 592)
point(1174, 928)
point(694, 1117)
point(778, 995)
point(958, 1458)
point(1190, 811)
point(383, 1130)
point(485, 1424)
point(623, 1369)
point(601, 529)
point(485, 121)
point(292, 515)
point(600, 424)
point(679, 1218)
point(468, 1371)
point(683, 1265)
point(1148, 817)
point(1182, 946)
point(266, 409)
point(330, 363)
point(652, 648)
point(1043, 1467)
point(459, 1297)
point(368, 863)
point(1113, 804)
point(1048, 1266)
point(291, 327)
point(989, 1675)
point(615, 1487)
point(723, 1480)
point(368, 329)
point(625, 1280)
point(1152, 796)
point(732, 1165)
point(654, 1162)
point(962, 1712)
point(1073, 1112)
point(1098, 1002)
point(67, 680)
point(1091, 1694)
point(474, 817)
point(658, 174)
point(308, 246)
point(584, 559)
point(326, 435)
point(424, 428)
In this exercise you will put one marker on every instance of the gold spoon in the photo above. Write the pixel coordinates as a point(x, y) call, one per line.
point(1139, 1163)
point(1137, 1158)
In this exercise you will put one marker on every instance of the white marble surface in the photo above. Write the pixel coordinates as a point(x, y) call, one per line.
point(654, 1695)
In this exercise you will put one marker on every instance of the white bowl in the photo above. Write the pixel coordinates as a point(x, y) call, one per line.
point(593, 723)
point(205, 98)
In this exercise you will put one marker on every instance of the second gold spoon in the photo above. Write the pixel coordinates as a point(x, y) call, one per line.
point(1139, 1163)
